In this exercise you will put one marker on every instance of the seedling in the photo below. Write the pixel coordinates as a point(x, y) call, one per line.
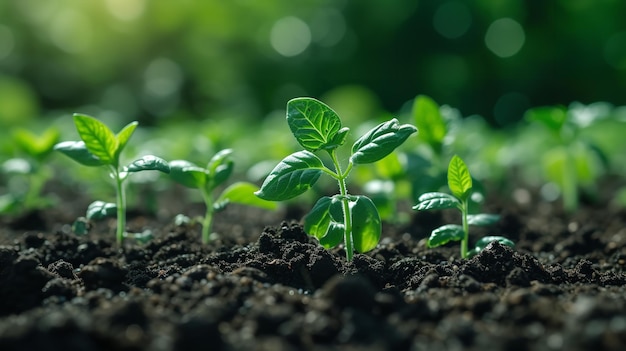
point(32, 168)
point(208, 179)
point(101, 147)
point(460, 184)
point(353, 219)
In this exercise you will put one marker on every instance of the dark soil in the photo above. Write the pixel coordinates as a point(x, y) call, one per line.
point(274, 288)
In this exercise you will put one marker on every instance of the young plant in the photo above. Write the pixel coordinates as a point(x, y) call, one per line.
point(208, 179)
point(101, 147)
point(32, 167)
point(353, 219)
point(460, 184)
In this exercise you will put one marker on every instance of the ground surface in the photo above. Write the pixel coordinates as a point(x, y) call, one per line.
point(562, 288)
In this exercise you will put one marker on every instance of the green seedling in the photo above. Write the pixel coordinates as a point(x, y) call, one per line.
point(207, 179)
point(460, 184)
point(101, 147)
point(569, 159)
point(353, 219)
point(33, 168)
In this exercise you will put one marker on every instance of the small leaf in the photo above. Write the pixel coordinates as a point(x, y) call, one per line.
point(334, 235)
point(366, 224)
point(243, 193)
point(98, 138)
point(429, 121)
point(459, 179)
point(34, 145)
point(294, 175)
point(339, 139)
point(444, 234)
point(100, 209)
point(313, 123)
point(380, 141)
point(123, 136)
point(317, 221)
point(482, 244)
point(148, 163)
point(482, 219)
point(188, 174)
point(77, 151)
point(220, 167)
point(436, 201)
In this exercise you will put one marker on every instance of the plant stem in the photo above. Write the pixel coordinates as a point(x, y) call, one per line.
point(347, 218)
point(464, 242)
point(121, 206)
point(207, 221)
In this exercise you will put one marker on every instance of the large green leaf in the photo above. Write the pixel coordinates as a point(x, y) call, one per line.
point(294, 175)
point(123, 136)
point(444, 234)
point(314, 124)
point(366, 224)
point(100, 209)
point(459, 178)
point(243, 193)
point(380, 141)
point(148, 163)
point(77, 151)
point(436, 201)
point(188, 174)
point(98, 138)
point(429, 121)
point(482, 219)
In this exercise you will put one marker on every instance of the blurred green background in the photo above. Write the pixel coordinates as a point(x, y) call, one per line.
point(163, 60)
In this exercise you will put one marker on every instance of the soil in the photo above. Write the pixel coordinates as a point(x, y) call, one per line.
point(263, 284)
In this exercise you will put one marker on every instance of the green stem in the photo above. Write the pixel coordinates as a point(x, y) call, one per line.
point(464, 242)
point(207, 222)
point(121, 207)
point(569, 191)
point(347, 218)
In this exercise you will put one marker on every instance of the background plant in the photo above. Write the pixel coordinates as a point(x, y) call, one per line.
point(101, 147)
point(29, 171)
point(342, 217)
point(208, 179)
point(460, 184)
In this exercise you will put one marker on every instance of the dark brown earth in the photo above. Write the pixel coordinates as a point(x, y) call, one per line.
point(562, 288)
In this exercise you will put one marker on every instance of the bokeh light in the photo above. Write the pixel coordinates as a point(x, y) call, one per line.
point(505, 37)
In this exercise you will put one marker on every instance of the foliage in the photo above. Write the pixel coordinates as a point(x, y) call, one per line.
point(101, 147)
point(352, 219)
point(460, 184)
point(33, 168)
point(207, 179)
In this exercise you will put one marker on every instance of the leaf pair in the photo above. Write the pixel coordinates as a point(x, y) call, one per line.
point(326, 222)
point(101, 147)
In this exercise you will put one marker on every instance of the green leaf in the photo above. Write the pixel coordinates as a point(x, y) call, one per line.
point(313, 124)
point(482, 219)
point(77, 151)
point(444, 234)
point(220, 167)
point(317, 221)
point(123, 136)
point(380, 141)
point(429, 121)
point(148, 163)
point(98, 138)
point(366, 224)
point(334, 235)
point(459, 179)
point(436, 201)
point(34, 145)
point(243, 193)
point(294, 175)
point(482, 244)
point(218, 159)
point(188, 174)
point(100, 209)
